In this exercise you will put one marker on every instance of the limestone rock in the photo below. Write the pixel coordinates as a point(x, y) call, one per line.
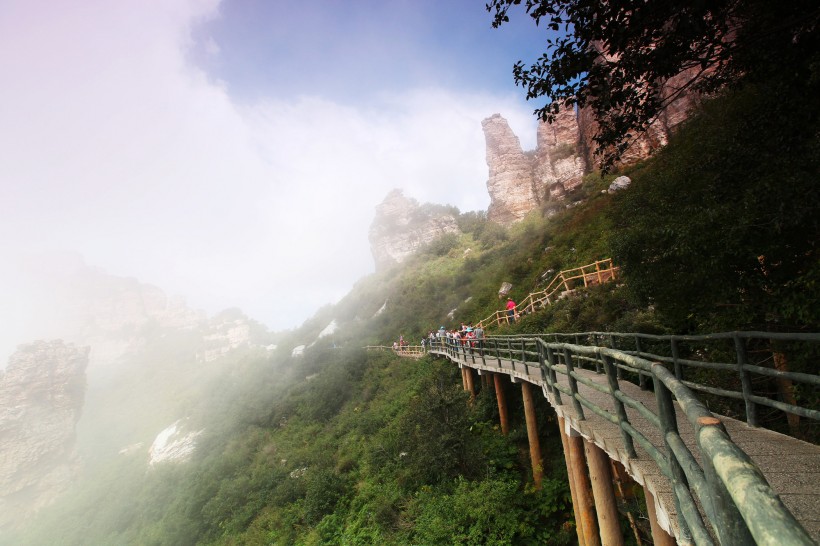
point(519, 181)
point(511, 182)
point(42, 392)
point(620, 183)
point(173, 444)
point(402, 226)
point(558, 151)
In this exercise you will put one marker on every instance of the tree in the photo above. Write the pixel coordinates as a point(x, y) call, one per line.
point(616, 56)
point(722, 230)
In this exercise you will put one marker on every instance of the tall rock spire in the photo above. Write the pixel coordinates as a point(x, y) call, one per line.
point(510, 184)
point(520, 181)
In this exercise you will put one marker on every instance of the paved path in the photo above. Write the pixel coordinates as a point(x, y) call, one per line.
point(791, 466)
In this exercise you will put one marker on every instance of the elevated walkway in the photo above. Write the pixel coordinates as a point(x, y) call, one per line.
point(714, 479)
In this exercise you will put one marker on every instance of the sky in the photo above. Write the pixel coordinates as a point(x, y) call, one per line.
point(233, 152)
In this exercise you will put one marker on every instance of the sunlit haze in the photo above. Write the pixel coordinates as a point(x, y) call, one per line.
point(233, 152)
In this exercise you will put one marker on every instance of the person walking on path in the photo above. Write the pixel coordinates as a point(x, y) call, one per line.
point(510, 311)
point(479, 337)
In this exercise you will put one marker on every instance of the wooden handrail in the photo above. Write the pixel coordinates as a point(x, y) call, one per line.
point(591, 274)
point(711, 477)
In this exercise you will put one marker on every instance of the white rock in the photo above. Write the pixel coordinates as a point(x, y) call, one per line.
point(172, 444)
point(620, 183)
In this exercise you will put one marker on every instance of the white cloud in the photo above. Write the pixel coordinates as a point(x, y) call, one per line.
point(125, 152)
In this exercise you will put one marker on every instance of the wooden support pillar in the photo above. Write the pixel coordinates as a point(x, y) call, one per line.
point(579, 527)
point(624, 487)
point(464, 378)
point(586, 505)
point(532, 434)
point(502, 404)
point(659, 536)
point(470, 385)
point(605, 504)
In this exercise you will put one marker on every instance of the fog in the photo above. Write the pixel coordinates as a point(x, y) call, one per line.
point(233, 152)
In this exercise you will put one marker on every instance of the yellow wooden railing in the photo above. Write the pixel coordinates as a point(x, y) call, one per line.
point(409, 351)
point(587, 275)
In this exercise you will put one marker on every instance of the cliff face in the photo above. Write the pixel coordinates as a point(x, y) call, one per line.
point(518, 181)
point(402, 226)
point(41, 396)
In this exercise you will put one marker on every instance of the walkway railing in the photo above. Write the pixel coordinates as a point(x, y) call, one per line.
point(732, 493)
point(587, 275)
point(410, 351)
point(737, 364)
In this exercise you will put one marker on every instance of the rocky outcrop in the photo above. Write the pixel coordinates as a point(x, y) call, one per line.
point(519, 181)
point(511, 185)
point(402, 226)
point(41, 396)
point(559, 165)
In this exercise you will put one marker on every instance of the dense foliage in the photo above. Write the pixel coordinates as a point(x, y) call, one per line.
point(720, 232)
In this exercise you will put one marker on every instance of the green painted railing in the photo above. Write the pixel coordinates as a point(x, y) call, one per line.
point(739, 505)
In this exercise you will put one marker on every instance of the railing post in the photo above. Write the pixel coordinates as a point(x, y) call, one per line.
point(745, 381)
point(573, 385)
point(553, 378)
point(509, 352)
point(597, 360)
point(641, 376)
point(545, 377)
point(618, 371)
point(675, 355)
point(620, 410)
point(669, 425)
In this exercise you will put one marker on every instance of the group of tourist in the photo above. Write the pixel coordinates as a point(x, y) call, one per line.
point(465, 336)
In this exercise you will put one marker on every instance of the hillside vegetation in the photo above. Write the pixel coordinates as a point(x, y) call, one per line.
point(344, 446)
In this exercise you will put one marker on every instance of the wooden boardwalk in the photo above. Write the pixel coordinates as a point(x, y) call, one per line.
point(791, 466)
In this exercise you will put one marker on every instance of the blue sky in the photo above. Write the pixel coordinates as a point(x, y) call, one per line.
point(357, 51)
point(233, 152)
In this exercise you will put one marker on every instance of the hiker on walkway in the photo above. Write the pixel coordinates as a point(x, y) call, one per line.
point(479, 337)
point(469, 338)
point(510, 311)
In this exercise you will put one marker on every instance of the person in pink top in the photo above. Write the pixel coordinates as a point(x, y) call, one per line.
point(510, 310)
